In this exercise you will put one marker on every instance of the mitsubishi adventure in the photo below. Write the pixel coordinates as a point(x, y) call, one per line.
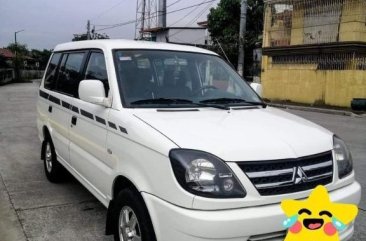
point(177, 146)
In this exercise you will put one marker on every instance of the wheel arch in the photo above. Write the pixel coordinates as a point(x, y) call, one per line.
point(120, 183)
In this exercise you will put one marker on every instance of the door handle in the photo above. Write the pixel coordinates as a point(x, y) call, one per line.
point(74, 120)
point(50, 109)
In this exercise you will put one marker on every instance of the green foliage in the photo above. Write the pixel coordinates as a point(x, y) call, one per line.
point(20, 49)
point(224, 21)
point(41, 57)
point(224, 25)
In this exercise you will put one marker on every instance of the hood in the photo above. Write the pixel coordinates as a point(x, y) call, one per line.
point(241, 134)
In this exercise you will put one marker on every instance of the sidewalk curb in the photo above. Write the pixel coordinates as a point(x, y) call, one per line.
point(319, 110)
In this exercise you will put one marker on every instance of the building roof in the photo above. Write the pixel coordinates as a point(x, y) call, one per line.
point(203, 24)
point(159, 29)
point(6, 53)
point(283, 1)
point(110, 44)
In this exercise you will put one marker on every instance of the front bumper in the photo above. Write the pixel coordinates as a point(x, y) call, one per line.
point(179, 224)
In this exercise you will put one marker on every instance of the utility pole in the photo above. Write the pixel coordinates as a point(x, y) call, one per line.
point(88, 36)
point(93, 33)
point(143, 19)
point(15, 40)
point(16, 62)
point(162, 14)
point(243, 24)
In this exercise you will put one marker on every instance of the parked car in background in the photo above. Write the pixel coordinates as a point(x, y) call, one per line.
point(178, 146)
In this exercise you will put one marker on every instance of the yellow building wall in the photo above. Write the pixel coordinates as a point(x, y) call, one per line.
point(305, 84)
point(353, 22)
point(297, 31)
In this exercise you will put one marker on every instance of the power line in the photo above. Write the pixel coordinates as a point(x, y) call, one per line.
point(174, 3)
point(174, 11)
point(193, 20)
point(200, 14)
point(190, 12)
point(107, 10)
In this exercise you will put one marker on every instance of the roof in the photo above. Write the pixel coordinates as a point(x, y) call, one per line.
point(6, 53)
point(110, 44)
point(203, 23)
point(159, 29)
point(281, 1)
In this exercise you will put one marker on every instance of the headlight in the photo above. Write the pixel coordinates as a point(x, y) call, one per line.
point(204, 174)
point(343, 157)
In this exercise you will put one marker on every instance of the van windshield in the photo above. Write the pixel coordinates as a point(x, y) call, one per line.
point(170, 79)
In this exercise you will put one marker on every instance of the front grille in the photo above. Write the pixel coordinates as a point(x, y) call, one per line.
point(289, 175)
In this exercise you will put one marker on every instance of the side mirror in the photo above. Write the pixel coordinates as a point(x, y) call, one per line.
point(93, 91)
point(257, 88)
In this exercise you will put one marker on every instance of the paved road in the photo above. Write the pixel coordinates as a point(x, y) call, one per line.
point(31, 208)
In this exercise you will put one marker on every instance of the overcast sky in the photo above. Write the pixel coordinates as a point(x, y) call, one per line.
point(49, 22)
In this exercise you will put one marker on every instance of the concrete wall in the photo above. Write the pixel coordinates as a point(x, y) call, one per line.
point(304, 83)
point(31, 74)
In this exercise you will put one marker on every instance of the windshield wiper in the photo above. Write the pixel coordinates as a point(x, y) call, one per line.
point(234, 101)
point(168, 101)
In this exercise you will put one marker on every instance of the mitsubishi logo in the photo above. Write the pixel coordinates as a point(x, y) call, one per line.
point(300, 176)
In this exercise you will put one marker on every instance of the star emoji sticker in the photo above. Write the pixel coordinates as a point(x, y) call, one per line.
point(317, 218)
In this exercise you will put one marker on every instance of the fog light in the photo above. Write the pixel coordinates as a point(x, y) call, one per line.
point(228, 185)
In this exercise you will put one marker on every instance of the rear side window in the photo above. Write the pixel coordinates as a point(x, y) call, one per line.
point(70, 73)
point(96, 69)
point(50, 79)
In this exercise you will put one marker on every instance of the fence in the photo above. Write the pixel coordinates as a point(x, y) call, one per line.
point(293, 22)
point(6, 75)
point(31, 74)
point(332, 61)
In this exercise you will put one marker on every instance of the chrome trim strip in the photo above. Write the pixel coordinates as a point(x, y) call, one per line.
point(270, 173)
point(317, 166)
point(324, 175)
point(274, 184)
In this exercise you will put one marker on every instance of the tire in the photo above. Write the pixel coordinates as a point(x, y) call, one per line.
point(54, 171)
point(130, 204)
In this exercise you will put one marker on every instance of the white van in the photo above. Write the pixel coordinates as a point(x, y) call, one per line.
point(177, 146)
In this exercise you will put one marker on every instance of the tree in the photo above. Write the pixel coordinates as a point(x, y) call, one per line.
point(224, 24)
point(41, 57)
point(20, 49)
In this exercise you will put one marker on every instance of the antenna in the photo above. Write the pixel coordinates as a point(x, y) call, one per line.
point(217, 41)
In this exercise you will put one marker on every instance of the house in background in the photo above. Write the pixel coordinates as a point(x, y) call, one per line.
point(6, 62)
point(314, 51)
point(196, 36)
point(7, 56)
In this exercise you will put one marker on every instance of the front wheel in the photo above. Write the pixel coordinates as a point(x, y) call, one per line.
point(132, 220)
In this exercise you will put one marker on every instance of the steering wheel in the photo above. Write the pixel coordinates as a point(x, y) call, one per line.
point(206, 87)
